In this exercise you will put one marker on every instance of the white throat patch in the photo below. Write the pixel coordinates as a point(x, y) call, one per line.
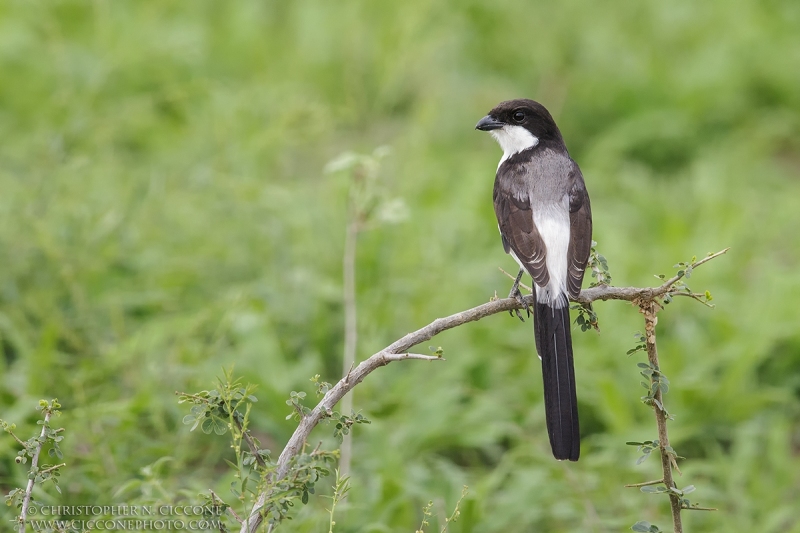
point(513, 139)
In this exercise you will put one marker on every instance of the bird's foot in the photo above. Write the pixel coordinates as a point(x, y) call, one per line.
point(519, 298)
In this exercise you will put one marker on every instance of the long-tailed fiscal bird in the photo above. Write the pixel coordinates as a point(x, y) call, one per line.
point(545, 222)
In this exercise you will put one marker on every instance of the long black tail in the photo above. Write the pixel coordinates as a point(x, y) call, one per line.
point(554, 344)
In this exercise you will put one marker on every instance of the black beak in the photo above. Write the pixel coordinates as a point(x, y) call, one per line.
point(488, 123)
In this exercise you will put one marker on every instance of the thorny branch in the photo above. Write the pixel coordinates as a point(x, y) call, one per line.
point(398, 351)
point(649, 310)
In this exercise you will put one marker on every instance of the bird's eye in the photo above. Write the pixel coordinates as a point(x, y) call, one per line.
point(518, 116)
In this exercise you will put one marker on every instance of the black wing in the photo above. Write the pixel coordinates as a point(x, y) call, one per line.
point(515, 218)
point(580, 232)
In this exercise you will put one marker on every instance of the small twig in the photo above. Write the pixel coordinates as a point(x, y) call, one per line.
point(401, 356)
point(675, 464)
point(251, 443)
point(699, 508)
point(19, 441)
point(216, 498)
point(456, 511)
point(674, 279)
point(50, 469)
point(319, 444)
point(708, 258)
point(26, 501)
point(695, 295)
point(645, 484)
point(514, 278)
point(350, 370)
point(340, 489)
point(194, 396)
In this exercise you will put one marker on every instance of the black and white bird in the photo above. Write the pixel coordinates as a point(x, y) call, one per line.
point(545, 221)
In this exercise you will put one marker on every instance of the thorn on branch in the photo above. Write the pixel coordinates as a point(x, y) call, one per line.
point(645, 484)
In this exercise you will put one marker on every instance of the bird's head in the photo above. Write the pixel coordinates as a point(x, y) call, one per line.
point(520, 124)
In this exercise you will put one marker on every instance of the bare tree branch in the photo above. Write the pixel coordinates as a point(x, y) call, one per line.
point(398, 351)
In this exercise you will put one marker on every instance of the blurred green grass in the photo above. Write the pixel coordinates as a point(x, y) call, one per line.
point(164, 213)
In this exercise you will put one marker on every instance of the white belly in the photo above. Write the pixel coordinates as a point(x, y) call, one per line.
point(553, 225)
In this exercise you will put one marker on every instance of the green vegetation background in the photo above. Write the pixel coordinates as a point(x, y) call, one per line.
point(164, 213)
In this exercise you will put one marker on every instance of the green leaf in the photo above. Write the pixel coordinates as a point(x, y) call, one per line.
point(688, 489)
point(215, 425)
point(641, 526)
point(220, 427)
